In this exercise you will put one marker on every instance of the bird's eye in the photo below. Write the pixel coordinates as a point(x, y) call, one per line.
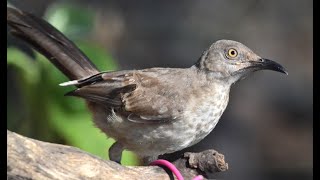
point(232, 53)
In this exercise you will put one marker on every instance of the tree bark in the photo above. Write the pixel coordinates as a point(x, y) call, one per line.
point(32, 159)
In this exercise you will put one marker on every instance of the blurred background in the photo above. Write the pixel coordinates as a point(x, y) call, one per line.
point(266, 130)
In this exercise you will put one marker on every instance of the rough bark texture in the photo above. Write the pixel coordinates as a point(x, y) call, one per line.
point(32, 159)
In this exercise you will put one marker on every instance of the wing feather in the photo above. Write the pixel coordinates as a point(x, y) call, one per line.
point(141, 97)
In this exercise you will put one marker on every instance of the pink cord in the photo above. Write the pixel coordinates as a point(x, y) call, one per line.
point(172, 168)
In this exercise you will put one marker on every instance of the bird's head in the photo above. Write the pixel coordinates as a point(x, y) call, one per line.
point(232, 61)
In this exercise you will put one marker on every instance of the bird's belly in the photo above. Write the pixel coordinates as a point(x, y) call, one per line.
point(151, 139)
point(155, 139)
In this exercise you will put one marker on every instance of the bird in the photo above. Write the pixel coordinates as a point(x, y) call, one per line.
point(152, 111)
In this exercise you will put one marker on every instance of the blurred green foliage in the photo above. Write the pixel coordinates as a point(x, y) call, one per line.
point(51, 116)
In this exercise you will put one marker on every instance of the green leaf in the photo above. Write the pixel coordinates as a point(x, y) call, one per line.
point(28, 67)
point(79, 130)
point(98, 56)
point(72, 20)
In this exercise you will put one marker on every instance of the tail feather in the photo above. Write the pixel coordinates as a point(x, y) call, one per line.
point(51, 43)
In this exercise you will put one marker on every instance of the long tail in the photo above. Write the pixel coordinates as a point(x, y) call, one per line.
point(51, 43)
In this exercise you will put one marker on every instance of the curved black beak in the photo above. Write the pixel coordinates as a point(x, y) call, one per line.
point(271, 65)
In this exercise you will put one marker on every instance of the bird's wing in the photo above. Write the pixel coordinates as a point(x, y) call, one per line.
point(134, 94)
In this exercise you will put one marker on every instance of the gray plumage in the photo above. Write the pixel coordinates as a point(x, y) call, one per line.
point(150, 111)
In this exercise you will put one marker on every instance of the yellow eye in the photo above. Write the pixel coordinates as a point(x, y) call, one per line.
point(232, 53)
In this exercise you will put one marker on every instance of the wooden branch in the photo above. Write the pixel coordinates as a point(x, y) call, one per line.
point(32, 159)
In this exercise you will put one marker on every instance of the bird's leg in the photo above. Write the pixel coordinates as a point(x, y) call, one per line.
point(148, 159)
point(115, 152)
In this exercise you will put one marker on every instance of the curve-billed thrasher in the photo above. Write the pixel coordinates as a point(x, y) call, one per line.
point(150, 111)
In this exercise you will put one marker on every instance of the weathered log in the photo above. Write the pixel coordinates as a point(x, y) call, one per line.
point(32, 159)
